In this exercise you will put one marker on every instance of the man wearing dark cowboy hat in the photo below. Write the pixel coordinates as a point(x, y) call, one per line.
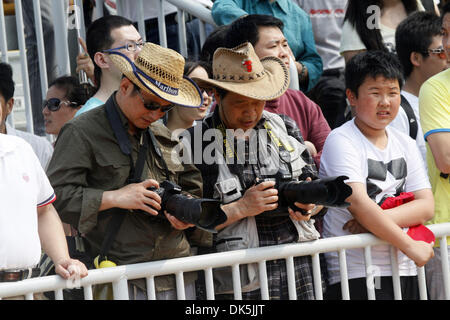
point(91, 170)
point(239, 175)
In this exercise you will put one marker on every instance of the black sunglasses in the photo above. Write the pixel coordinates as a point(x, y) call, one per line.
point(153, 106)
point(54, 104)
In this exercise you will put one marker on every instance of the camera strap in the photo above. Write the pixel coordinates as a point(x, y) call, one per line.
point(159, 153)
point(135, 171)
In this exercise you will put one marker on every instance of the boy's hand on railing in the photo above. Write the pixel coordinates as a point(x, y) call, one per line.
point(420, 252)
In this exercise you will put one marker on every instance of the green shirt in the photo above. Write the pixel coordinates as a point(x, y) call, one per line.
point(88, 161)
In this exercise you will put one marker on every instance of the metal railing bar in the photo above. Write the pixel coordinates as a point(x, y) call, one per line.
point(422, 283)
point(344, 276)
point(61, 35)
point(236, 282)
point(151, 293)
point(23, 61)
point(182, 33)
point(317, 276)
point(40, 47)
point(195, 9)
point(209, 283)
point(181, 292)
point(445, 266)
point(395, 274)
point(291, 278)
point(3, 39)
point(162, 25)
point(88, 293)
point(263, 282)
point(369, 273)
point(200, 262)
point(141, 21)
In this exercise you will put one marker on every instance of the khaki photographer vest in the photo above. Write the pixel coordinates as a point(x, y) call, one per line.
point(243, 234)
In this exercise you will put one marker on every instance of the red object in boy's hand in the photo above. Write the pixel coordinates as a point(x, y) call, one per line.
point(419, 232)
point(393, 202)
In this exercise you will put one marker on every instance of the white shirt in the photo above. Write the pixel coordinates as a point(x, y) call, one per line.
point(401, 123)
point(385, 173)
point(23, 188)
point(326, 17)
point(151, 9)
point(41, 146)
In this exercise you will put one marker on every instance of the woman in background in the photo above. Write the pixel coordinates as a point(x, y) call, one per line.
point(364, 30)
point(65, 96)
point(184, 117)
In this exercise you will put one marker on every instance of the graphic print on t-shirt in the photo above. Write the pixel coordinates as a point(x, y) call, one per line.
point(381, 175)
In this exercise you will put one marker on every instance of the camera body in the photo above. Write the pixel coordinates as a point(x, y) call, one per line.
point(206, 214)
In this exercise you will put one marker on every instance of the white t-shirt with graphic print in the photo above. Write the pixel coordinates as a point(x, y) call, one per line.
point(385, 173)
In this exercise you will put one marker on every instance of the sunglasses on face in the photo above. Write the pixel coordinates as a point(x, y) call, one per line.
point(440, 52)
point(153, 106)
point(54, 104)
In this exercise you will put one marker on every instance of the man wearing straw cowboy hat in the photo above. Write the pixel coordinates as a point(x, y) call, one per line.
point(237, 173)
point(96, 158)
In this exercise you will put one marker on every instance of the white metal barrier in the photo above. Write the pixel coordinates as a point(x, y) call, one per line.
point(119, 276)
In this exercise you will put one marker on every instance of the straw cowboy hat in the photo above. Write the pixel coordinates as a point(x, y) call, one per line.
point(239, 70)
point(159, 71)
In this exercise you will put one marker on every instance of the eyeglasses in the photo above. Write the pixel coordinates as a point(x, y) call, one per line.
point(440, 52)
point(54, 104)
point(153, 106)
point(130, 46)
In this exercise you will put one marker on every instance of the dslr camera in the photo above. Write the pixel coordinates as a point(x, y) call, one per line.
point(206, 214)
point(329, 192)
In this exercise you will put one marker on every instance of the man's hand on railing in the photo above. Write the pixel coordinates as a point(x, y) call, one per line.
point(71, 269)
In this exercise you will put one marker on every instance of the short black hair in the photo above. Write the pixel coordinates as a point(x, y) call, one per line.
point(245, 29)
point(446, 9)
point(191, 65)
point(372, 64)
point(74, 91)
point(6, 81)
point(415, 34)
point(98, 38)
point(213, 41)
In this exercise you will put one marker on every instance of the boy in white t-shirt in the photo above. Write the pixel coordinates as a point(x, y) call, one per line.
point(380, 162)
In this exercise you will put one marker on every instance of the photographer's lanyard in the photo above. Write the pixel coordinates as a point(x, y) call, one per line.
point(284, 148)
point(159, 153)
